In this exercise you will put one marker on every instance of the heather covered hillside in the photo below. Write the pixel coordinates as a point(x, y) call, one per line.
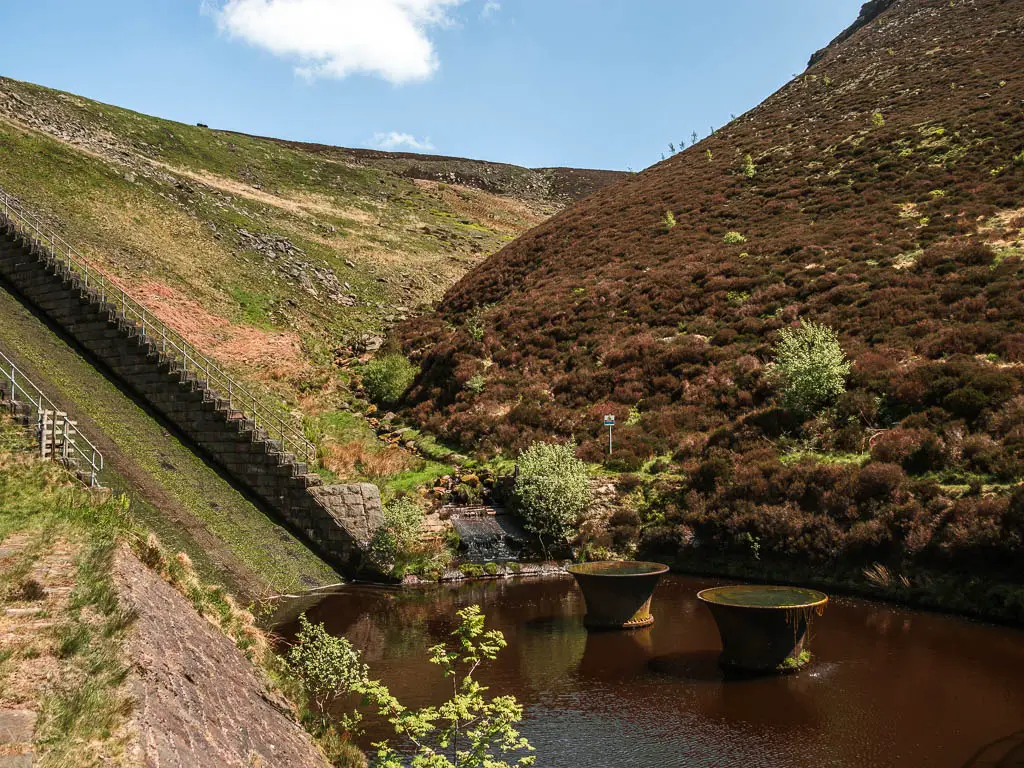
point(880, 193)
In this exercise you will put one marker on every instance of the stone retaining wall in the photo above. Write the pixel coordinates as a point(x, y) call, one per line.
point(337, 521)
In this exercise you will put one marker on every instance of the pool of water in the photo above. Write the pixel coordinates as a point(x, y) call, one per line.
point(887, 687)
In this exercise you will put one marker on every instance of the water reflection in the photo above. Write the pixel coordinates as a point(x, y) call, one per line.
point(887, 687)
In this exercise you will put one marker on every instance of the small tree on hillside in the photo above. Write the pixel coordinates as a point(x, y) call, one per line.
point(551, 490)
point(749, 169)
point(329, 668)
point(812, 365)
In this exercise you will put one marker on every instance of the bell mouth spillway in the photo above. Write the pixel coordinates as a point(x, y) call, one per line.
point(618, 593)
point(763, 628)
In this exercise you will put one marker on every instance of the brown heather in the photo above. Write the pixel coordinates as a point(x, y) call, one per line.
point(903, 234)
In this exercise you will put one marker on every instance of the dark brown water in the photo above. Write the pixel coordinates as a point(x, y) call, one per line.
point(888, 687)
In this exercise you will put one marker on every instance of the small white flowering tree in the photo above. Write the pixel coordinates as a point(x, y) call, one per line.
point(551, 490)
point(812, 366)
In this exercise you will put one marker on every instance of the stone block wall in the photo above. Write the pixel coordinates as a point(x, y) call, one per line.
point(337, 521)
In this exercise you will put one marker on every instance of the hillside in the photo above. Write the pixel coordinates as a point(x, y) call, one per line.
point(884, 197)
point(266, 253)
point(285, 261)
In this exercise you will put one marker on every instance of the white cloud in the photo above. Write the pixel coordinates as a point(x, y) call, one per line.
point(337, 38)
point(491, 7)
point(396, 140)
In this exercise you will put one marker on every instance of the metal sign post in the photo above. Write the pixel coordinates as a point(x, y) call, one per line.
point(609, 421)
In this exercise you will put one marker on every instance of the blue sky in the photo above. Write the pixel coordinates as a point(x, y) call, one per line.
point(533, 82)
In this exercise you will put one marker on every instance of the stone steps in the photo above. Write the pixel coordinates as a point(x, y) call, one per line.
point(253, 458)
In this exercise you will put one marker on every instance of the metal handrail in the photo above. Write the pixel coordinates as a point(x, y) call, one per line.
point(89, 453)
point(171, 344)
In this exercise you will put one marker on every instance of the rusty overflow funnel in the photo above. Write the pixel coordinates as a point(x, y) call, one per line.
point(618, 594)
point(763, 629)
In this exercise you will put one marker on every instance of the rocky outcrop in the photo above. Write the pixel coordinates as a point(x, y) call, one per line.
point(290, 263)
point(869, 12)
point(199, 702)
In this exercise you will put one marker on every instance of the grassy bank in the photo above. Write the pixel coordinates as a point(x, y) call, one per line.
point(62, 654)
point(174, 492)
point(63, 648)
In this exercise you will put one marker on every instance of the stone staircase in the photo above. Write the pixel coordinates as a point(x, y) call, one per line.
point(261, 450)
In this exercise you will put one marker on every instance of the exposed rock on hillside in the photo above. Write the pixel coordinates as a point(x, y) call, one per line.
point(199, 701)
point(868, 13)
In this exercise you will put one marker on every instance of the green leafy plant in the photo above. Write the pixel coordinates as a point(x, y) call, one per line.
point(467, 731)
point(749, 169)
point(475, 323)
point(551, 490)
point(733, 238)
point(812, 366)
point(796, 662)
point(387, 378)
point(635, 416)
point(754, 542)
point(877, 120)
point(476, 384)
point(329, 669)
point(396, 542)
point(1018, 159)
point(669, 221)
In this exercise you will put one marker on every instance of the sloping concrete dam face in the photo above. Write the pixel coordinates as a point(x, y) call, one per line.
point(338, 520)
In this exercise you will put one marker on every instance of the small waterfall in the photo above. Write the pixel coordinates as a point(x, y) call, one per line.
point(489, 536)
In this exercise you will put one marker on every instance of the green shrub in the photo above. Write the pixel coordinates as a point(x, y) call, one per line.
point(396, 542)
point(387, 378)
point(877, 120)
point(491, 569)
point(472, 570)
point(669, 221)
point(328, 667)
point(1018, 159)
point(812, 366)
point(476, 384)
point(551, 490)
point(733, 238)
point(749, 169)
